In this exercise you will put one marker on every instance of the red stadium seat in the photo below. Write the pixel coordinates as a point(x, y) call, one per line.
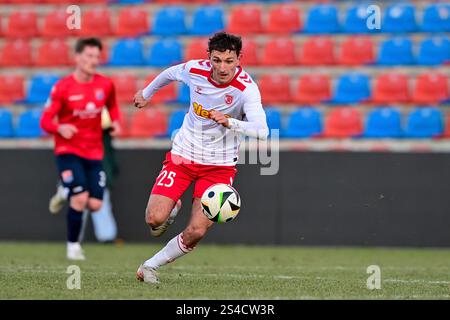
point(53, 53)
point(249, 53)
point(22, 24)
point(147, 123)
point(343, 123)
point(447, 127)
point(431, 88)
point(186, 1)
point(55, 24)
point(356, 51)
point(284, 19)
point(197, 49)
point(126, 87)
point(279, 51)
point(245, 19)
point(313, 88)
point(133, 22)
point(275, 88)
point(16, 53)
point(96, 21)
point(11, 88)
point(166, 94)
point(391, 87)
point(318, 51)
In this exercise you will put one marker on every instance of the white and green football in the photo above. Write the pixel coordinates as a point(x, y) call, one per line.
point(221, 203)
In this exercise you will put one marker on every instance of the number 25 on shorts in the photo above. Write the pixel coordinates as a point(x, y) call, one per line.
point(165, 179)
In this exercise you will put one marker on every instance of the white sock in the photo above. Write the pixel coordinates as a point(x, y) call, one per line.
point(174, 249)
point(73, 246)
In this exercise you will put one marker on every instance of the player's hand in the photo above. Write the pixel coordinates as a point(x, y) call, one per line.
point(67, 131)
point(139, 101)
point(116, 129)
point(219, 117)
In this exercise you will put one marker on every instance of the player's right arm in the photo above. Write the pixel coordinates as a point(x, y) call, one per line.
point(52, 108)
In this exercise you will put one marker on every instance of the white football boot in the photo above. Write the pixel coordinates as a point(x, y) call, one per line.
point(74, 251)
point(58, 200)
point(146, 274)
point(158, 231)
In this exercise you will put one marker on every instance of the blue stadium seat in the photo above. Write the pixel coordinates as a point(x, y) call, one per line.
point(40, 87)
point(396, 51)
point(399, 17)
point(322, 19)
point(175, 121)
point(436, 18)
point(127, 52)
point(303, 123)
point(165, 52)
point(356, 20)
point(129, 1)
point(384, 123)
point(170, 21)
point(351, 88)
point(434, 51)
point(207, 20)
point(28, 124)
point(184, 95)
point(6, 123)
point(273, 117)
point(424, 122)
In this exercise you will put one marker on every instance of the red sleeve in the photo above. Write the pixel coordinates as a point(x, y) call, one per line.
point(52, 108)
point(111, 104)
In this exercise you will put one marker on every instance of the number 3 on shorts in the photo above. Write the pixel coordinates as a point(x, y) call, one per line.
point(164, 176)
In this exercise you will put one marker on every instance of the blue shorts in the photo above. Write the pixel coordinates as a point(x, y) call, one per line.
point(79, 175)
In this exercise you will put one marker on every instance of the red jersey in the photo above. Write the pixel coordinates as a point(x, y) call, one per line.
point(80, 104)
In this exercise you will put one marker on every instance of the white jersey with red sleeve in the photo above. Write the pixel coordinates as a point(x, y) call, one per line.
point(201, 139)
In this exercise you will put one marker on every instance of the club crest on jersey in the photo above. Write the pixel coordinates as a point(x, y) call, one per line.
point(228, 99)
point(99, 94)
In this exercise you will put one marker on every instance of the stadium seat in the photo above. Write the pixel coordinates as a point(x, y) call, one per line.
point(343, 123)
point(245, 19)
point(249, 53)
point(356, 51)
point(431, 88)
point(131, 1)
point(22, 24)
point(40, 87)
point(96, 21)
point(273, 119)
point(275, 88)
point(434, 51)
point(207, 20)
point(165, 94)
point(313, 88)
point(424, 122)
point(318, 51)
point(391, 87)
point(303, 123)
point(55, 24)
point(165, 52)
point(126, 87)
point(11, 88)
point(184, 94)
point(396, 51)
point(124, 123)
point(196, 49)
point(132, 22)
point(436, 18)
point(148, 123)
point(383, 123)
point(170, 21)
point(16, 53)
point(127, 52)
point(399, 17)
point(175, 121)
point(53, 53)
point(356, 20)
point(322, 18)
point(352, 88)
point(28, 124)
point(284, 19)
point(6, 123)
point(279, 52)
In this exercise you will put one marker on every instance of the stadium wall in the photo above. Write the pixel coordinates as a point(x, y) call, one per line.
point(317, 198)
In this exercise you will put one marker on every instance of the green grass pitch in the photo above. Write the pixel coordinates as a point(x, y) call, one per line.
point(38, 271)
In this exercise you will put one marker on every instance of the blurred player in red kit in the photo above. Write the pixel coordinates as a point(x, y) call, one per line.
point(73, 115)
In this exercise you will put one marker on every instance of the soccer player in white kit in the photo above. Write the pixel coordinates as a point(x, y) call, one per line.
point(225, 104)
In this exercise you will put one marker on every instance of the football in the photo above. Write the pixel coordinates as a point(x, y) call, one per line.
point(221, 203)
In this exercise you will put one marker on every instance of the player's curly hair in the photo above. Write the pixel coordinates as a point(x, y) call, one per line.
point(222, 41)
point(87, 42)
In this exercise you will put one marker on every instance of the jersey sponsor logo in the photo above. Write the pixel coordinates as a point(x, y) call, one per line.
point(90, 111)
point(67, 176)
point(99, 94)
point(200, 111)
point(198, 89)
point(76, 97)
point(228, 99)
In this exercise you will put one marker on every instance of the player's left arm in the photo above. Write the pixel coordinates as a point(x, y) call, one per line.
point(114, 111)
